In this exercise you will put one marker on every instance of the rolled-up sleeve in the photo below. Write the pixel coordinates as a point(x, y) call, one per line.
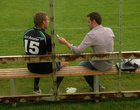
point(87, 42)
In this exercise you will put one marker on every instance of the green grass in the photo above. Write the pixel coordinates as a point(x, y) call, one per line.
point(70, 22)
point(105, 105)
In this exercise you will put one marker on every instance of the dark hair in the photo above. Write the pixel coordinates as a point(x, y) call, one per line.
point(39, 18)
point(95, 16)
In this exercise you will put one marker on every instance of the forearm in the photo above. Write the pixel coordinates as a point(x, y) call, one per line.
point(69, 45)
point(73, 48)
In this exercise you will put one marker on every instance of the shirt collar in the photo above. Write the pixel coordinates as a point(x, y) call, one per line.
point(39, 29)
point(97, 27)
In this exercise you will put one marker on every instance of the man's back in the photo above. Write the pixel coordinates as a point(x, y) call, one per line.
point(102, 42)
point(102, 39)
point(37, 42)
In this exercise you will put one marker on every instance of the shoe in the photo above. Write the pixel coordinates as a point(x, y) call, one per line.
point(37, 91)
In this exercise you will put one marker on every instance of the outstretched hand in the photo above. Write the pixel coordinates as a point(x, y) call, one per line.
point(62, 40)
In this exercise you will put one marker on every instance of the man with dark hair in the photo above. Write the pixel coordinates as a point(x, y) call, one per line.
point(95, 16)
point(100, 39)
point(38, 42)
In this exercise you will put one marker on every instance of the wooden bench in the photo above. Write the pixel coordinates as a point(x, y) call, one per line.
point(65, 71)
point(14, 73)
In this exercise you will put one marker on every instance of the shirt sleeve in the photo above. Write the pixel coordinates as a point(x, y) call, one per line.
point(87, 42)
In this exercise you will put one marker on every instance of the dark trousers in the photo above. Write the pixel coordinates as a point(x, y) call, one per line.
point(36, 82)
point(58, 80)
point(43, 68)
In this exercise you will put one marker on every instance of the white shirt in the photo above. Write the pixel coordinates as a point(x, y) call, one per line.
point(101, 40)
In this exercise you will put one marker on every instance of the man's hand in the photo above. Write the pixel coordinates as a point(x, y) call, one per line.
point(62, 40)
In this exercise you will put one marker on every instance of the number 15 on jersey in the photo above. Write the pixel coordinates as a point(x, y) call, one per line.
point(31, 47)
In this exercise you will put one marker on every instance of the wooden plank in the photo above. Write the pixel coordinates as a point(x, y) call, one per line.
point(98, 96)
point(82, 71)
point(70, 57)
point(66, 71)
point(101, 56)
point(20, 73)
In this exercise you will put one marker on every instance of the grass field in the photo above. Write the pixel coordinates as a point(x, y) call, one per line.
point(70, 22)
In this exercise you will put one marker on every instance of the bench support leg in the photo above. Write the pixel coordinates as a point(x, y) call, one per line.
point(96, 83)
point(13, 86)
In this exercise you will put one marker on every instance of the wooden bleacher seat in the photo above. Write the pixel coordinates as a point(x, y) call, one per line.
point(65, 71)
point(15, 73)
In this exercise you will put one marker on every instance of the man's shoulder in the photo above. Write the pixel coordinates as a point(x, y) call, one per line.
point(108, 28)
point(28, 31)
point(91, 32)
point(32, 30)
